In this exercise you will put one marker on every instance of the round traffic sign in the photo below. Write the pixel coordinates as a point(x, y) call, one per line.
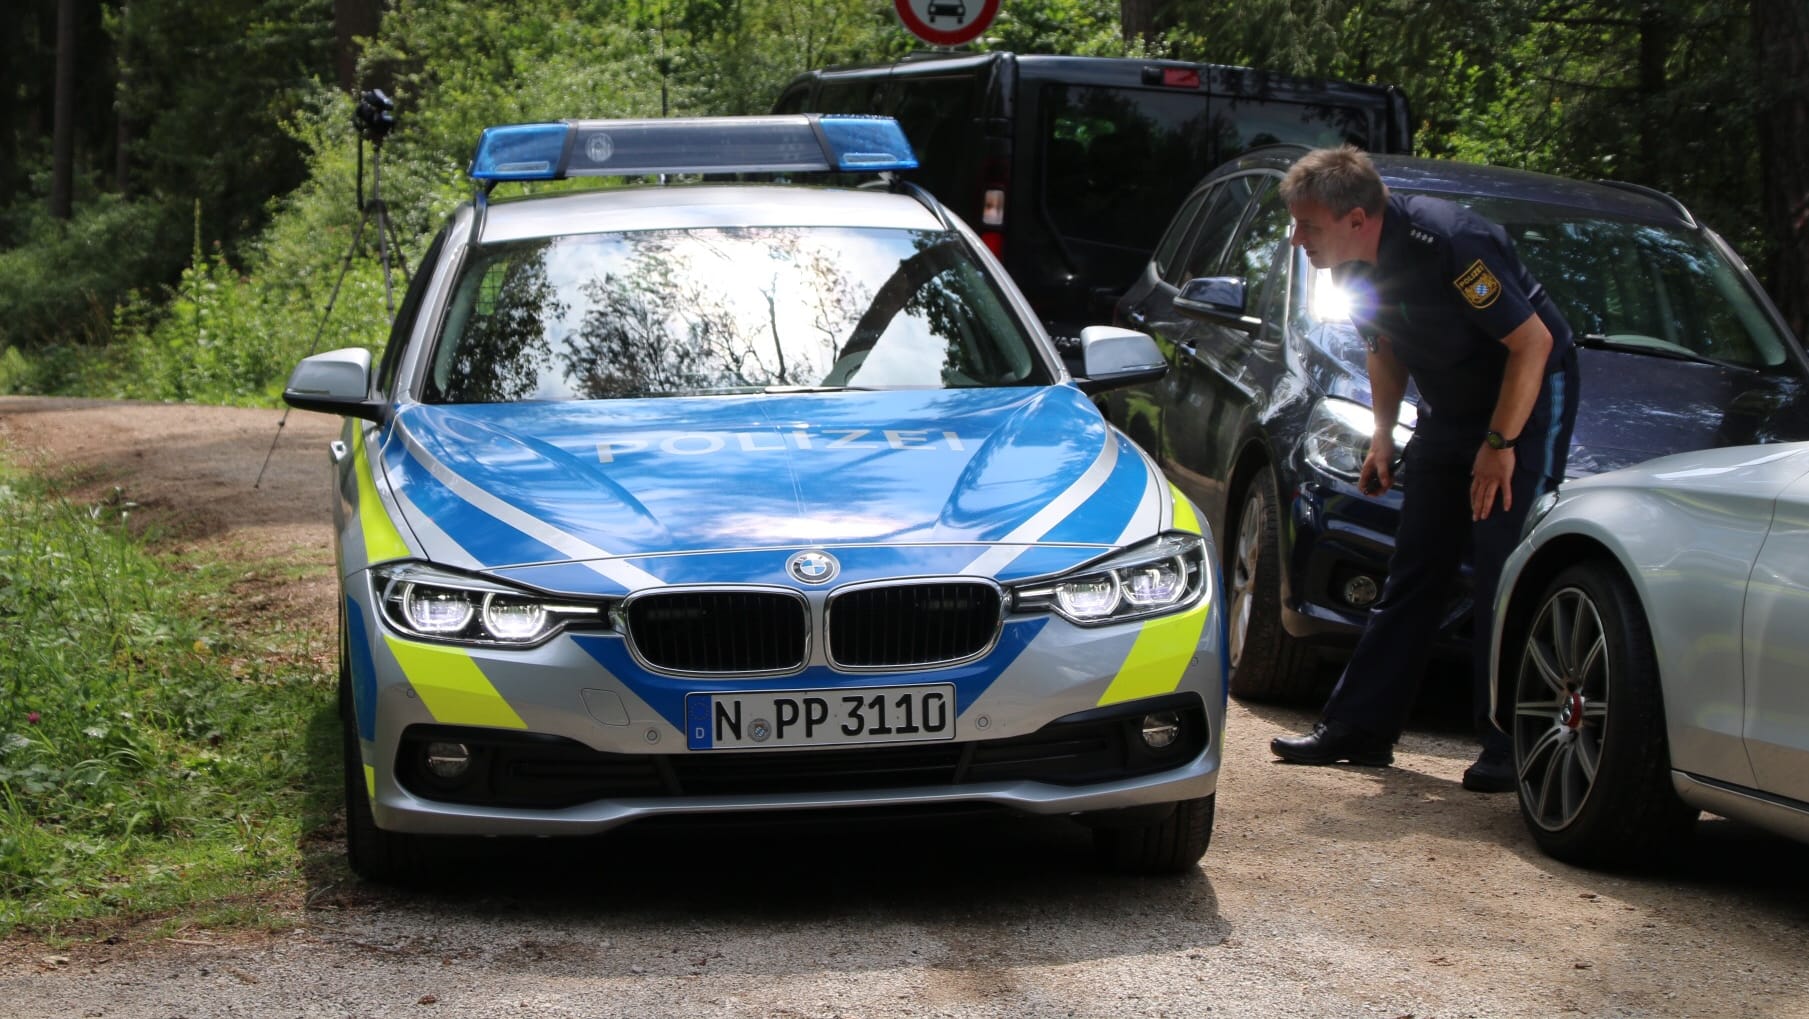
point(946, 22)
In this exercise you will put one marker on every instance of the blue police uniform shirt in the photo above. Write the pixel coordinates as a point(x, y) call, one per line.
point(1446, 287)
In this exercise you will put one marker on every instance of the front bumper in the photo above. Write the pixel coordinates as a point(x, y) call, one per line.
point(574, 737)
point(1341, 543)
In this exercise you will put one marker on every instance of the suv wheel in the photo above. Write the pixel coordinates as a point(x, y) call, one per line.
point(1266, 661)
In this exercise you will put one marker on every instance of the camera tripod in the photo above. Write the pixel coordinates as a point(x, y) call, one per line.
point(373, 118)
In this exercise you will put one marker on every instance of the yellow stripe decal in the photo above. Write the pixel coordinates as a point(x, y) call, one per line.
point(370, 782)
point(382, 541)
point(1159, 657)
point(454, 689)
point(1185, 518)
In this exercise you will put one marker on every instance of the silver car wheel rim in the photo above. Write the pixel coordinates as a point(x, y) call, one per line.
point(1561, 708)
point(1243, 573)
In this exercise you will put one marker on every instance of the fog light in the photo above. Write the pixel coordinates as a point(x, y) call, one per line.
point(1161, 729)
point(1361, 591)
point(448, 760)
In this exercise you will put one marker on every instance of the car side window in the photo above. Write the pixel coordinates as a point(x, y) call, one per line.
point(1170, 244)
point(1223, 212)
point(1259, 255)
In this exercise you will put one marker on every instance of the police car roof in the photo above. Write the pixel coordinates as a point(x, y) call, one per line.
point(1451, 177)
point(701, 206)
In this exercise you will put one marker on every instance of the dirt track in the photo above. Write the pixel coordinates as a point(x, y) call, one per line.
point(1327, 891)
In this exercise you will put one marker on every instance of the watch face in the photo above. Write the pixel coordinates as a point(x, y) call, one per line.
point(1497, 441)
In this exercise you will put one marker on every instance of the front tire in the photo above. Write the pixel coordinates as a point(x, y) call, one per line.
point(1591, 762)
point(1173, 845)
point(1267, 663)
point(374, 854)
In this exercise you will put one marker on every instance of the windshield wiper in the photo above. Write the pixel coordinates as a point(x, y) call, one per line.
point(787, 390)
point(1597, 341)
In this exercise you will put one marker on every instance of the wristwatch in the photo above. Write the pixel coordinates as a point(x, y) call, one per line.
point(1498, 441)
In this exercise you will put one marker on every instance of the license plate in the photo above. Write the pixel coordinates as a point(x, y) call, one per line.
point(812, 718)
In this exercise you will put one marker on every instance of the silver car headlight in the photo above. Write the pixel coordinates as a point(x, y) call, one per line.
point(1165, 575)
point(1541, 506)
point(429, 603)
point(1337, 437)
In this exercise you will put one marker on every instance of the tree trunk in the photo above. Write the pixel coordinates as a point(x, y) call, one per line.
point(353, 18)
point(1137, 19)
point(1780, 31)
point(62, 144)
point(122, 125)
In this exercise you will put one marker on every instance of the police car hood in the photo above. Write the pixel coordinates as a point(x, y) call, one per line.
point(501, 485)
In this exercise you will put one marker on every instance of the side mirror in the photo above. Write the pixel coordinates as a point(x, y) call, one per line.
point(1217, 299)
point(1113, 357)
point(336, 382)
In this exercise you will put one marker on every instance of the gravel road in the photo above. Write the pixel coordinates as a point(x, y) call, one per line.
point(1327, 891)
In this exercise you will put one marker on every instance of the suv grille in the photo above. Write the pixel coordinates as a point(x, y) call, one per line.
point(912, 625)
point(719, 631)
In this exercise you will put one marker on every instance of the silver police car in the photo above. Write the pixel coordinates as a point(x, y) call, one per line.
point(702, 496)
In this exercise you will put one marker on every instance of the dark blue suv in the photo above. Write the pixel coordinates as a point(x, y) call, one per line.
point(1264, 416)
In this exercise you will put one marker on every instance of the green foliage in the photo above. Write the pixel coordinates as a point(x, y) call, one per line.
point(143, 758)
point(58, 284)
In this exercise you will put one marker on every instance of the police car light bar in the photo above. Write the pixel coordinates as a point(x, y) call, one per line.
point(797, 143)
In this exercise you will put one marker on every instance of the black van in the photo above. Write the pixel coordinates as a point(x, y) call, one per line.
point(1069, 167)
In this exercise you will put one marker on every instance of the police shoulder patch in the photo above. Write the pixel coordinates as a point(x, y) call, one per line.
point(1478, 285)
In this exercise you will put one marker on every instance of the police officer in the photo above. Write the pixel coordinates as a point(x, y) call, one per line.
point(1443, 301)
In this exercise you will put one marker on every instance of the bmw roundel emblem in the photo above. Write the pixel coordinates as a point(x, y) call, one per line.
point(813, 567)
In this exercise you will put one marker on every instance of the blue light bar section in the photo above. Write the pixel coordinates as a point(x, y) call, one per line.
point(520, 152)
point(867, 143)
point(802, 143)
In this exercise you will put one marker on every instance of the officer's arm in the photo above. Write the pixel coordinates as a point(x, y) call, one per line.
point(1528, 347)
point(1387, 387)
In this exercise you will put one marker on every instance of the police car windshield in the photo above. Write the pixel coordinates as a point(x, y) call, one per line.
point(701, 312)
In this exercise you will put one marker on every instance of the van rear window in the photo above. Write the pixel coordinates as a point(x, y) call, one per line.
point(1118, 161)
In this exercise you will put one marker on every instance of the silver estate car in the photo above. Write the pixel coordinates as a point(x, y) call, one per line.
point(710, 498)
point(1652, 653)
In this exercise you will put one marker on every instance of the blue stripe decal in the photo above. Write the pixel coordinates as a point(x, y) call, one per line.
point(666, 694)
point(486, 538)
point(1109, 510)
point(1556, 423)
point(364, 671)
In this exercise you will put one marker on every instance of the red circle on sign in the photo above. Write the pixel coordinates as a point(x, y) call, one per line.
point(965, 30)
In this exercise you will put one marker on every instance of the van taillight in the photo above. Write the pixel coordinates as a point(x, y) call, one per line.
point(992, 207)
point(995, 178)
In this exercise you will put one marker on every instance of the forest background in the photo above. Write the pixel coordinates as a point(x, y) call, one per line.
point(179, 178)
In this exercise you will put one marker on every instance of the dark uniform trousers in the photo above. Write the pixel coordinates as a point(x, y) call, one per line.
point(1377, 689)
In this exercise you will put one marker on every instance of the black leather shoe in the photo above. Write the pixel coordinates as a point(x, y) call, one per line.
point(1493, 772)
point(1332, 742)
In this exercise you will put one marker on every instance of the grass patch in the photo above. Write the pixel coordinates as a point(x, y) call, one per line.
point(156, 763)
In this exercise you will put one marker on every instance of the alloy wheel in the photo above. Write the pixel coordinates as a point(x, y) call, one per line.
point(1561, 708)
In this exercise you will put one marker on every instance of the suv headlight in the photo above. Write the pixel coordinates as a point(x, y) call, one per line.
point(1164, 575)
point(1337, 437)
point(428, 603)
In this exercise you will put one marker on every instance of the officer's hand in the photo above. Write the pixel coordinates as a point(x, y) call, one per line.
point(1490, 476)
point(1377, 473)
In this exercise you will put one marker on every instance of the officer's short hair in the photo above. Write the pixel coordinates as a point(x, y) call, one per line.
point(1340, 179)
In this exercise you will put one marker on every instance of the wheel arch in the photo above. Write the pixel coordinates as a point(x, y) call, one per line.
point(1552, 558)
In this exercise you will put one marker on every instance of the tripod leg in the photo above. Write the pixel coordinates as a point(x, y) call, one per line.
point(345, 268)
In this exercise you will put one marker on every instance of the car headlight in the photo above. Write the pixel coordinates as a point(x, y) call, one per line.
point(1337, 437)
point(1164, 575)
point(433, 604)
point(1541, 506)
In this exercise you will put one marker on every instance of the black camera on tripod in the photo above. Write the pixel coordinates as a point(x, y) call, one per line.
point(375, 115)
